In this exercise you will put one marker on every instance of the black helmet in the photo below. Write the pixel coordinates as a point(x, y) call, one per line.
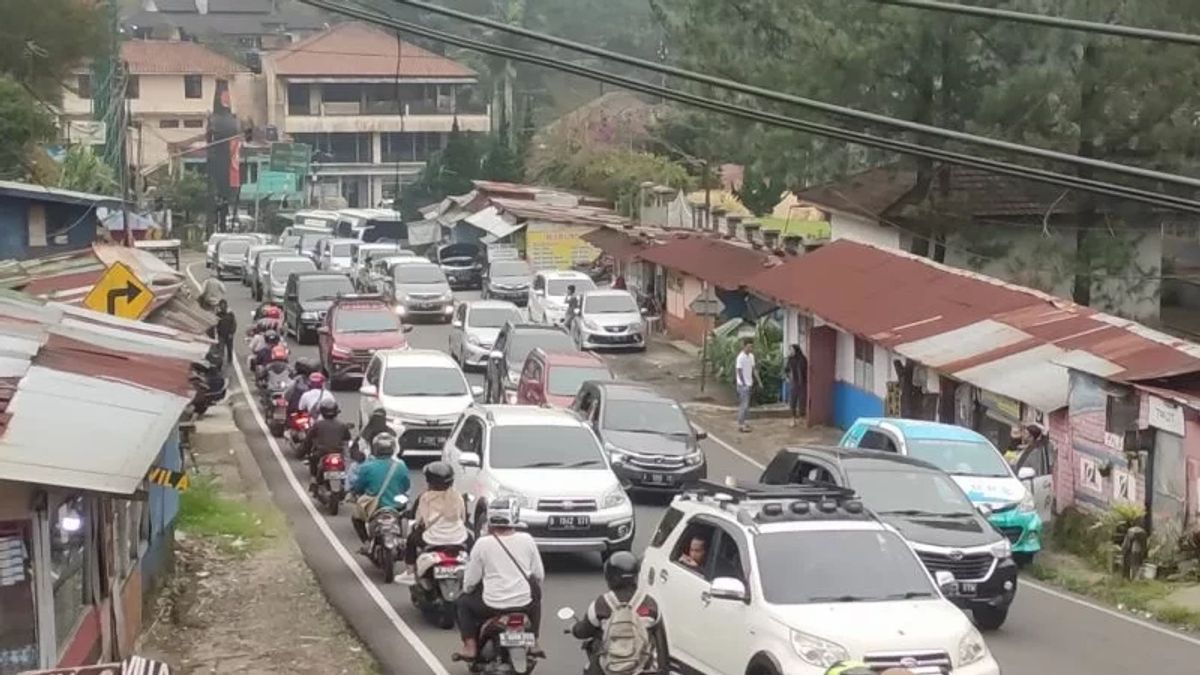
point(621, 570)
point(304, 367)
point(329, 409)
point(271, 337)
point(379, 413)
point(438, 476)
point(384, 445)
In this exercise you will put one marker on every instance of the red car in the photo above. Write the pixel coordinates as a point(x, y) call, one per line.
point(354, 328)
point(553, 378)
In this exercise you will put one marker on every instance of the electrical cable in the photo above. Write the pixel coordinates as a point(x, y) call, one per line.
point(1064, 23)
point(812, 104)
point(903, 147)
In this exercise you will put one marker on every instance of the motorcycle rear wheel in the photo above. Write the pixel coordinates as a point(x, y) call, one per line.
point(387, 560)
point(332, 505)
point(276, 429)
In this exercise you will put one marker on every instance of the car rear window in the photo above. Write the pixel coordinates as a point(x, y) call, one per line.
point(323, 288)
point(365, 320)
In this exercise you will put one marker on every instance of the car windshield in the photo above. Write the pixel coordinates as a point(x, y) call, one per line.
point(234, 247)
point(324, 288)
point(308, 242)
point(804, 567)
point(910, 493)
point(376, 253)
point(523, 342)
point(365, 321)
point(558, 287)
point(510, 268)
point(282, 268)
point(492, 317)
point(960, 458)
point(340, 250)
point(646, 416)
point(544, 447)
point(609, 304)
point(566, 380)
point(418, 274)
point(424, 381)
point(266, 257)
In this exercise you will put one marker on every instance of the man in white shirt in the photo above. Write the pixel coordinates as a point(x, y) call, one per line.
point(744, 377)
point(317, 393)
point(504, 574)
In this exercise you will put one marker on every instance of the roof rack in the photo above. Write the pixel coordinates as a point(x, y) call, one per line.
point(759, 492)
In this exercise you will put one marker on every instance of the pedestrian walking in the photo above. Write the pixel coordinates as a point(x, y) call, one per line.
point(226, 328)
point(797, 375)
point(745, 376)
point(213, 293)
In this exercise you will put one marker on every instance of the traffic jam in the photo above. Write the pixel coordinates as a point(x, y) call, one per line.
point(454, 414)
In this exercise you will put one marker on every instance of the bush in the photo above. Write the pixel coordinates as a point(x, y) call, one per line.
point(768, 357)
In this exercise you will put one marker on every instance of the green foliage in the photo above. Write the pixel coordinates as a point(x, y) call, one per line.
point(768, 359)
point(757, 193)
point(500, 162)
point(43, 40)
point(187, 194)
point(23, 124)
point(83, 171)
point(612, 173)
point(204, 511)
point(461, 162)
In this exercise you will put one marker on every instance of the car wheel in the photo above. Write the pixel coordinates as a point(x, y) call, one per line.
point(989, 618)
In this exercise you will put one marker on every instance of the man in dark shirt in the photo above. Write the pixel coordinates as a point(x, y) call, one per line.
point(620, 574)
point(329, 434)
point(226, 327)
point(797, 374)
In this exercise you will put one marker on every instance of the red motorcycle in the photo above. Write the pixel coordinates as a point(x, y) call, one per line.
point(297, 432)
point(329, 488)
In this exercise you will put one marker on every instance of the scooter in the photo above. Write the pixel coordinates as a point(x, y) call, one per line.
point(439, 583)
point(329, 486)
point(210, 385)
point(298, 425)
point(388, 532)
point(505, 646)
point(591, 646)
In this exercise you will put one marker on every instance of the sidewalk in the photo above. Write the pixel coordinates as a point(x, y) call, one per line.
point(673, 367)
point(241, 598)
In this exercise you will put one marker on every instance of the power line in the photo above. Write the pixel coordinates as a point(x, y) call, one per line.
point(904, 147)
point(1118, 30)
point(813, 104)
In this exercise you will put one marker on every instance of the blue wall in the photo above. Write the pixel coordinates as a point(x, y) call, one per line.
point(164, 507)
point(851, 403)
point(76, 221)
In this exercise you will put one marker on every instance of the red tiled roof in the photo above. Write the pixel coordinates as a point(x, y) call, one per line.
point(717, 262)
point(358, 50)
point(167, 57)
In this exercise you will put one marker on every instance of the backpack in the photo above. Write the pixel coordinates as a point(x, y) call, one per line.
point(625, 648)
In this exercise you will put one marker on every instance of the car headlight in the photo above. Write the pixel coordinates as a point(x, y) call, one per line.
point(590, 325)
point(971, 648)
point(525, 501)
point(448, 295)
point(817, 651)
point(614, 498)
point(309, 316)
point(474, 339)
point(1002, 549)
point(1027, 503)
point(694, 459)
point(613, 450)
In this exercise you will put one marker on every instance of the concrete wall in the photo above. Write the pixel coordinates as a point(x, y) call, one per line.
point(15, 500)
point(850, 401)
point(866, 230)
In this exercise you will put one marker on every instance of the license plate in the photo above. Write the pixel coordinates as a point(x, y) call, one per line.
point(431, 440)
point(335, 475)
point(569, 522)
point(965, 588)
point(516, 639)
point(445, 572)
point(660, 478)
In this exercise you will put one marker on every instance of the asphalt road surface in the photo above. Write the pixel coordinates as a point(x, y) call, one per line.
point(1048, 633)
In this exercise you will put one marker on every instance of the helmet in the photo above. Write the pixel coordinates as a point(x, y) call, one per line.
point(279, 353)
point(621, 570)
point(379, 413)
point(271, 337)
point(306, 367)
point(384, 445)
point(316, 380)
point(329, 409)
point(503, 512)
point(439, 475)
point(271, 312)
point(849, 668)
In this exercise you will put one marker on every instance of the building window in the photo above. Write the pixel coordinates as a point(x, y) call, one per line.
point(193, 124)
point(193, 86)
point(864, 364)
point(83, 86)
point(338, 148)
point(68, 565)
point(168, 124)
point(297, 99)
point(1121, 414)
point(132, 86)
point(411, 146)
point(18, 630)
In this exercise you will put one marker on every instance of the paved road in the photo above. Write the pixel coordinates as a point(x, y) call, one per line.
point(1047, 633)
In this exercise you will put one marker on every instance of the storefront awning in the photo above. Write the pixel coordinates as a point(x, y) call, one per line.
point(496, 226)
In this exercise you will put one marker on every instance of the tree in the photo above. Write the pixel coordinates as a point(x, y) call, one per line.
point(460, 162)
point(188, 194)
point(83, 171)
point(757, 193)
point(45, 39)
point(23, 124)
point(501, 162)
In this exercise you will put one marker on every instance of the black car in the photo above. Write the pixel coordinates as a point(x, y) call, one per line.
point(512, 347)
point(460, 263)
point(508, 280)
point(928, 508)
point(307, 297)
point(648, 438)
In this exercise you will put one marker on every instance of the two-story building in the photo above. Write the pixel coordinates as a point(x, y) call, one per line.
point(249, 26)
point(169, 86)
point(372, 107)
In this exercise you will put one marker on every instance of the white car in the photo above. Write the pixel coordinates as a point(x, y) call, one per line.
point(361, 256)
point(231, 256)
point(548, 294)
point(475, 327)
point(248, 263)
point(609, 318)
point(423, 391)
point(550, 461)
point(794, 579)
point(278, 269)
point(334, 255)
point(379, 273)
point(210, 247)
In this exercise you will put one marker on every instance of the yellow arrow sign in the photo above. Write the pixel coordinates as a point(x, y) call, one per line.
point(120, 293)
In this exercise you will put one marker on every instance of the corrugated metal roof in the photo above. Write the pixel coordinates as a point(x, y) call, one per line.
point(718, 262)
point(961, 344)
point(489, 220)
point(614, 242)
point(1029, 376)
point(48, 194)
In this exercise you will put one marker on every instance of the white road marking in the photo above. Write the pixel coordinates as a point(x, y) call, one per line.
point(346, 556)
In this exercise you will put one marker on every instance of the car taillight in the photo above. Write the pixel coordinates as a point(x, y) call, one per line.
point(446, 559)
point(516, 621)
point(332, 462)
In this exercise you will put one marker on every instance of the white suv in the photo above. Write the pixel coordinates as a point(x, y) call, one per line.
point(807, 578)
point(548, 294)
point(550, 461)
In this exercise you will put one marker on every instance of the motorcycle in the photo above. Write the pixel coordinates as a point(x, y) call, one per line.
point(298, 425)
point(439, 583)
point(591, 646)
point(387, 530)
point(505, 646)
point(210, 386)
point(329, 488)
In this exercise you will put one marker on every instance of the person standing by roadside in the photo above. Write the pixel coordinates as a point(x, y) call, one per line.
point(744, 377)
point(797, 374)
point(226, 327)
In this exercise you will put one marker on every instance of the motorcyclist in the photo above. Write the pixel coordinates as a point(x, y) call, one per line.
point(329, 434)
point(439, 514)
point(317, 394)
point(379, 481)
point(268, 310)
point(300, 372)
point(621, 575)
point(261, 346)
point(376, 423)
point(855, 668)
point(277, 372)
point(504, 574)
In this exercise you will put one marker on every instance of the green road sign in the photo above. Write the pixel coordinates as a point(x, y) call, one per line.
point(276, 183)
point(292, 157)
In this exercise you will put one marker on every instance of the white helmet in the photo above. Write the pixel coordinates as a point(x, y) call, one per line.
point(504, 512)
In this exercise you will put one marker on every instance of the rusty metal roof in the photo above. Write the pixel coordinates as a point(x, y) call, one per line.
point(617, 243)
point(718, 262)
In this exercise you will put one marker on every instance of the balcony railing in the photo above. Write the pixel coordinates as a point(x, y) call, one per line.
point(353, 108)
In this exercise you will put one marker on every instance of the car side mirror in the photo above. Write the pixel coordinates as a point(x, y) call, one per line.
point(1026, 473)
point(701, 434)
point(946, 582)
point(469, 459)
point(496, 356)
point(644, 311)
point(368, 390)
point(984, 510)
point(726, 588)
point(476, 390)
point(407, 328)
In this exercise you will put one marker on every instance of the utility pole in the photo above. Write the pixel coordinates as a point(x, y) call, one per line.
point(125, 187)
